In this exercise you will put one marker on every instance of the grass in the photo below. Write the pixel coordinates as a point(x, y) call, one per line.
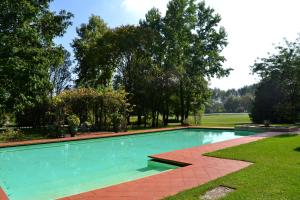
point(224, 120)
point(275, 173)
point(216, 120)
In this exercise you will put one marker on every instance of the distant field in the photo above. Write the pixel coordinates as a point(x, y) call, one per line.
point(224, 119)
point(217, 120)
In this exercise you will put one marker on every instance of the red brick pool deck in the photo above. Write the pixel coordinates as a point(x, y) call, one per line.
point(197, 170)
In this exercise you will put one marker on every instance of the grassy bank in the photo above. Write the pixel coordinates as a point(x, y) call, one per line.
point(275, 173)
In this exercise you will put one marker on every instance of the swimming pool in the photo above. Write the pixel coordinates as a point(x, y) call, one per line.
point(51, 171)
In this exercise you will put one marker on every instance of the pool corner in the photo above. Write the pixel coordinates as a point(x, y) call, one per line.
point(3, 196)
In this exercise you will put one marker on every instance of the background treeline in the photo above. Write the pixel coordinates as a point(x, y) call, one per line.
point(231, 101)
point(153, 70)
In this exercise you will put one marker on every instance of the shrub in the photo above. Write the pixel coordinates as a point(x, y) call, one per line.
point(116, 121)
point(95, 106)
point(55, 131)
point(11, 135)
point(73, 121)
point(85, 126)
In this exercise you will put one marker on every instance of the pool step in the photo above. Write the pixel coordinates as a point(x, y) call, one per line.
point(160, 165)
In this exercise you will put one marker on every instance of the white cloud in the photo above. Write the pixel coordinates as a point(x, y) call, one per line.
point(140, 7)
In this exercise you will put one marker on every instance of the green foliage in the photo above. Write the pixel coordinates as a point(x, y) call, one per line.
point(11, 135)
point(278, 95)
point(116, 119)
point(60, 75)
point(163, 63)
point(35, 115)
point(27, 51)
point(231, 101)
point(73, 121)
point(92, 68)
point(94, 106)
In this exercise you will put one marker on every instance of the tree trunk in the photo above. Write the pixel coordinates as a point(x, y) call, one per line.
point(139, 122)
point(181, 103)
point(188, 105)
point(166, 114)
point(157, 119)
point(153, 118)
point(145, 119)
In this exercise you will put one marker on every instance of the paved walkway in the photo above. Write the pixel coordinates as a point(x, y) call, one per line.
point(199, 170)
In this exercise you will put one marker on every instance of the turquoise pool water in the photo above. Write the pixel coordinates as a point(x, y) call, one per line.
point(51, 171)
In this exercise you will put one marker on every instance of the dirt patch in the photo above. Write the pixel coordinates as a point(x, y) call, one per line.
point(216, 193)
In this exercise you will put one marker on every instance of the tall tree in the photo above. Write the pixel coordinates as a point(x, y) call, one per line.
point(278, 95)
point(61, 75)
point(27, 50)
point(163, 63)
point(195, 42)
point(89, 64)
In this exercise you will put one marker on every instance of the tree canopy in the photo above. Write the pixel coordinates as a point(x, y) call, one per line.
point(174, 54)
point(27, 51)
point(278, 94)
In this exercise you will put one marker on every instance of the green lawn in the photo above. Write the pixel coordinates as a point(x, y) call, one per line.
point(275, 174)
point(224, 120)
point(216, 120)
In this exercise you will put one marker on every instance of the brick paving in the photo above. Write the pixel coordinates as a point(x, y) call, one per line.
point(2, 195)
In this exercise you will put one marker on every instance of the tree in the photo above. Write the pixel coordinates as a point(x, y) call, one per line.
point(61, 76)
point(27, 51)
point(232, 100)
point(90, 62)
point(194, 45)
point(232, 104)
point(163, 63)
point(278, 94)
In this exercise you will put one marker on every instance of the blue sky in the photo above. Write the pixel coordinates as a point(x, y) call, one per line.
point(253, 27)
point(110, 10)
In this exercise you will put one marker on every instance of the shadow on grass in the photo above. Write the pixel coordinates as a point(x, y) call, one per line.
point(297, 149)
point(286, 135)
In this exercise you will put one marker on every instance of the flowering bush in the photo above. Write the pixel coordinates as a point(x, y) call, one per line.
point(11, 135)
point(103, 108)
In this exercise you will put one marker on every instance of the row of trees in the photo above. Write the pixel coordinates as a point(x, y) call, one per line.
point(231, 101)
point(36, 75)
point(277, 97)
point(160, 67)
point(163, 63)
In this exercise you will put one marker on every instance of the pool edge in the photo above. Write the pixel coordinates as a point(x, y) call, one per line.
point(3, 195)
point(95, 135)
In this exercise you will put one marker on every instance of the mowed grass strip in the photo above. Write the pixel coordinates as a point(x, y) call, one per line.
point(224, 120)
point(275, 174)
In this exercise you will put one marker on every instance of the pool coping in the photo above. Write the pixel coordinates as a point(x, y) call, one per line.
point(199, 170)
point(96, 135)
point(89, 136)
point(3, 195)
